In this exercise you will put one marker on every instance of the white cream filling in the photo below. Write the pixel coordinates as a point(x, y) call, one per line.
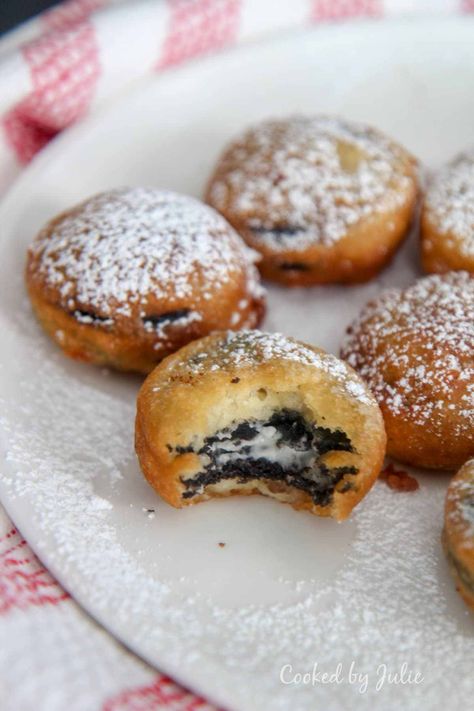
point(267, 444)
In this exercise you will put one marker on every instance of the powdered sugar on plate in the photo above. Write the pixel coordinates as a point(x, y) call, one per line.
point(308, 180)
point(75, 467)
point(450, 201)
point(288, 587)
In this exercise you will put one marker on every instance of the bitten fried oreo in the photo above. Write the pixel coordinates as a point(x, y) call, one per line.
point(415, 349)
point(131, 275)
point(259, 413)
point(322, 199)
point(447, 218)
point(458, 533)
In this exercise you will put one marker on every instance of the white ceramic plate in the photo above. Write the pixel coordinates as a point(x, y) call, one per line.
point(287, 588)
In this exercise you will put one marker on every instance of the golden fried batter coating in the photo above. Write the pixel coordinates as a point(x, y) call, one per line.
point(253, 412)
point(447, 218)
point(415, 349)
point(458, 534)
point(131, 275)
point(323, 200)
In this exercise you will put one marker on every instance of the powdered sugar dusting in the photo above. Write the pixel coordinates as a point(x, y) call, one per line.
point(468, 513)
point(449, 201)
point(251, 348)
point(423, 337)
point(388, 615)
point(160, 329)
point(307, 180)
point(73, 470)
point(122, 247)
point(382, 596)
point(461, 497)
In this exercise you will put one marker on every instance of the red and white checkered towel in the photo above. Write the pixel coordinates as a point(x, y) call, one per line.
point(53, 71)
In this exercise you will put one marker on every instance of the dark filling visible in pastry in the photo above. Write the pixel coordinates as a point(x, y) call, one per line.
point(89, 317)
point(285, 448)
point(166, 318)
point(294, 267)
point(283, 231)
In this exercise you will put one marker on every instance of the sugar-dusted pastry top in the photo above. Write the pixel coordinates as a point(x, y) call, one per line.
point(306, 180)
point(460, 506)
point(253, 412)
point(415, 349)
point(250, 348)
point(449, 201)
point(116, 249)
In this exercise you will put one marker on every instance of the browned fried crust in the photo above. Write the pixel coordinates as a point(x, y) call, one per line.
point(121, 340)
point(415, 349)
point(458, 533)
point(176, 405)
point(368, 245)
